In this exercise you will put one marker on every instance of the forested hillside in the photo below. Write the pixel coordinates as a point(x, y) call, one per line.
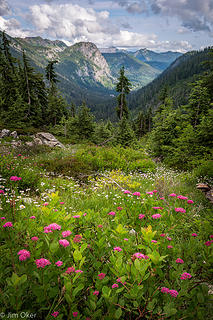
point(176, 78)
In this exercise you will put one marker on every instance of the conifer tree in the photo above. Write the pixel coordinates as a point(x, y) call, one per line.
point(123, 86)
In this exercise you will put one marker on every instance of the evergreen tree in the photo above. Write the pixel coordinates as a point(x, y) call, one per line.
point(57, 106)
point(123, 86)
point(199, 102)
point(125, 133)
point(86, 123)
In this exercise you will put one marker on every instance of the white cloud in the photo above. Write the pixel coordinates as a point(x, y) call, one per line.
point(13, 28)
point(73, 23)
point(195, 15)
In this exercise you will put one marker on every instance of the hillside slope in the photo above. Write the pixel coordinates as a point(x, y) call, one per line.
point(177, 78)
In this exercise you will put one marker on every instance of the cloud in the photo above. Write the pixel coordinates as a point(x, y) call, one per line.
point(73, 23)
point(4, 8)
point(136, 7)
point(13, 28)
point(195, 15)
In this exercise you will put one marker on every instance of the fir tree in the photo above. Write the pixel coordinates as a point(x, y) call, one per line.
point(123, 86)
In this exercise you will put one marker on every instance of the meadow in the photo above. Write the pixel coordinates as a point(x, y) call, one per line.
point(102, 233)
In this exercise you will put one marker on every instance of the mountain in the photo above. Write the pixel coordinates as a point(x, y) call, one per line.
point(139, 73)
point(177, 78)
point(158, 60)
point(88, 74)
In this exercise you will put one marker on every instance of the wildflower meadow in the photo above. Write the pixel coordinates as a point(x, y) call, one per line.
point(124, 245)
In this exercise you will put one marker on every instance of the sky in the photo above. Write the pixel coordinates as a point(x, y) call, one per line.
point(158, 25)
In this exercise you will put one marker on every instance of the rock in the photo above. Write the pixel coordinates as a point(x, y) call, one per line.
point(14, 134)
point(16, 144)
point(37, 141)
point(47, 139)
point(5, 133)
point(29, 143)
point(207, 190)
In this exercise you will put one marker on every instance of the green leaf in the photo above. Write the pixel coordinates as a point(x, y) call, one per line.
point(78, 289)
point(53, 246)
point(118, 313)
point(106, 291)
point(92, 304)
point(23, 279)
point(83, 247)
point(77, 255)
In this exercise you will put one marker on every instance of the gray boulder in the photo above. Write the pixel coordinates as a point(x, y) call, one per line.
point(14, 134)
point(4, 133)
point(47, 139)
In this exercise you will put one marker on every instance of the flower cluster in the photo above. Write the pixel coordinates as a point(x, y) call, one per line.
point(23, 255)
point(15, 178)
point(51, 227)
point(64, 243)
point(172, 292)
point(41, 263)
point(185, 276)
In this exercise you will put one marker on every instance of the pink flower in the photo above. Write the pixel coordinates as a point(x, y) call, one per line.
point(169, 247)
point(149, 192)
point(119, 281)
point(51, 227)
point(2, 218)
point(169, 239)
point(111, 213)
point(139, 255)
point(55, 314)
point(141, 216)
point(182, 197)
point(41, 263)
point(173, 293)
point(32, 217)
point(61, 202)
point(15, 178)
point(157, 208)
point(162, 235)
point(162, 198)
point(66, 233)
point(154, 241)
point(95, 293)
point(156, 216)
point(76, 217)
point(115, 285)
point(179, 261)
point(84, 214)
point(64, 243)
point(100, 226)
point(119, 208)
point(190, 201)
point(185, 276)
point(155, 191)
point(194, 235)
point(45, 204)
point(34, 238)
point(77, 238)
point(180, 210)
point(137, 194)
point(1, 191)
point(78, 271)
point(8, 225)
point(164, 290)
point(101, 276)
point(172, 195)
point(117, 249)
point(211, 236)
point(59, 263)
point(125, 239)
point(127, 192)
point(70, 270)
point(208, 243)
point(75, 314)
